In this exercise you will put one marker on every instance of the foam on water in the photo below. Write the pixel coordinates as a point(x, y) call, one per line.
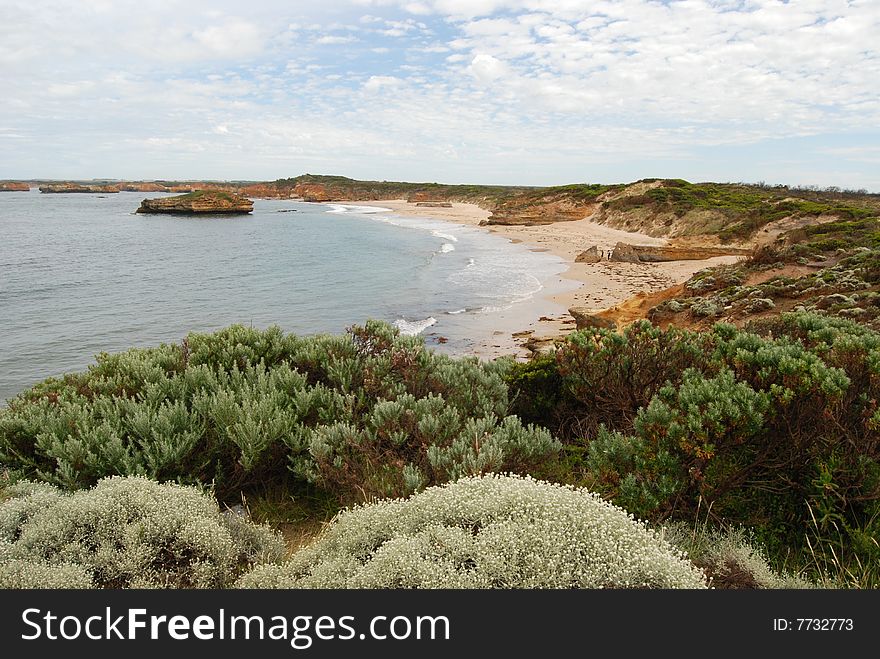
point(414, 327)
point(445, 236)
point(365, 210)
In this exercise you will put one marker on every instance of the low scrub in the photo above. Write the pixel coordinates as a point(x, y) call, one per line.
point(485, 532)
point(768, 430)
point(364, 415)
point(125, 533)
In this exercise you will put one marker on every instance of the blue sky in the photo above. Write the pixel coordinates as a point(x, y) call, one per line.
point(533, 92)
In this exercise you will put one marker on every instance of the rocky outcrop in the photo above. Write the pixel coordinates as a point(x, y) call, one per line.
point(624, 253)
point(540, 345)
point(589, 256)
point(434, 204)
point(201, 202)
point(584, 318)
point(76, 187)
point(540, 211)
point(650, 254)
point(14, 186)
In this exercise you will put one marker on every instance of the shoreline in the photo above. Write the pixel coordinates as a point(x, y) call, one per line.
point(599, 286)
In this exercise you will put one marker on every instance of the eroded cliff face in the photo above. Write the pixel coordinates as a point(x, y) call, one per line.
point(207, 202)
point(14, 186)
point(262, 190)
point(317, 192)
point(541, 211)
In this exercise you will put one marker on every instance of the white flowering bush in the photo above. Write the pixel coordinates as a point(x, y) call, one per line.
point(20, 574)
point(126, 532)
point(491, 531)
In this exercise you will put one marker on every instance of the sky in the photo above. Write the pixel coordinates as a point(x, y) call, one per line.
point(519, 92)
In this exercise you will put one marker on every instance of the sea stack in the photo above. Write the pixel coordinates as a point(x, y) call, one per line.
point(14, 186)
point(207, 202)
point(61, 188)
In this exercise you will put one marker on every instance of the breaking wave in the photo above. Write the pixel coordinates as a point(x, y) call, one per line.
point(414, 327)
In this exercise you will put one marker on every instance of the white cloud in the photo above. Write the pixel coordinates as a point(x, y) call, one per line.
point(486, 68)
point(331, 39)
point(379, 83)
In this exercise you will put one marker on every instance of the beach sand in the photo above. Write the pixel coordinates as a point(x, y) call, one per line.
point(599, 286)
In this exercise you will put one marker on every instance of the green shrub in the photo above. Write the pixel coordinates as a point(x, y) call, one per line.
point(762, 427)
point(126, 532)
point(485, 532)
point(368, 414)
point(606, 377)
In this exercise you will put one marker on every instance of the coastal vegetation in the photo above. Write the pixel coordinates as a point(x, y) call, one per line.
point(776, 436)
point(125, 533)
point(368, 414)
point(489, 531)
point(747, 208)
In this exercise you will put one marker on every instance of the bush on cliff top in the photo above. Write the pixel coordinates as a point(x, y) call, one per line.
point(367, 414)
point(125, 533)
point(485, 532)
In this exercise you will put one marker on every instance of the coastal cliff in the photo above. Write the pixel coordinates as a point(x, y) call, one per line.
point(566, 203)
point(199, 202)
point(699, 214)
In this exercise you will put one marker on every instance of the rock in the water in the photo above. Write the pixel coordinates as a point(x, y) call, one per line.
point(76, 187)
point(14, 186)
point(199, 202)
point(584, 318)
point(589, 256)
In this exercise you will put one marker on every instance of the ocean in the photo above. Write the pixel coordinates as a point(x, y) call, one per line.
point(82, 274)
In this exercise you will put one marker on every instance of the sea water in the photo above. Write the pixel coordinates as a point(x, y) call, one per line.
point(82, 274)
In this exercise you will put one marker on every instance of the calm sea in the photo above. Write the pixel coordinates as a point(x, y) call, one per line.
point(82, 274)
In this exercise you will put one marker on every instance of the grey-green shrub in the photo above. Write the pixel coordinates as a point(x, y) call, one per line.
point(493, 531)
point(367, 414)
point(126, 532)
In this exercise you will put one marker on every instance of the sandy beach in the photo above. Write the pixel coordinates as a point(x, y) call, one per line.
point(599, 286)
